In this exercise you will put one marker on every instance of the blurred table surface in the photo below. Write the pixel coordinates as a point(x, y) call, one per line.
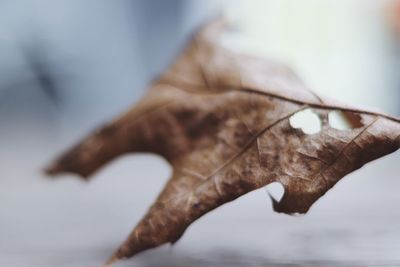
point(67, 222)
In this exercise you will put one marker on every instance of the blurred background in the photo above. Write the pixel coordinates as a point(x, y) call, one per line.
point(67, 66)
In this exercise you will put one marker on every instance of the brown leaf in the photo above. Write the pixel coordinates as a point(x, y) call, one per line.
point(223, 121)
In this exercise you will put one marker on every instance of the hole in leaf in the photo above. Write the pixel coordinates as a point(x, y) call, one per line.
point(307, 121)
point(344, 120)
point(276, 190)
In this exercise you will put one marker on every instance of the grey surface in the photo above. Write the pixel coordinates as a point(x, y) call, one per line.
point(67, 222)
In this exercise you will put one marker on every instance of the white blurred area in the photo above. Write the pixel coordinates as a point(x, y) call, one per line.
point(346, 50)
point(67, 66)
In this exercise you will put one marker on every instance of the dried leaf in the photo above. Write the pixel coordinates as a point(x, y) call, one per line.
point(223, 122)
